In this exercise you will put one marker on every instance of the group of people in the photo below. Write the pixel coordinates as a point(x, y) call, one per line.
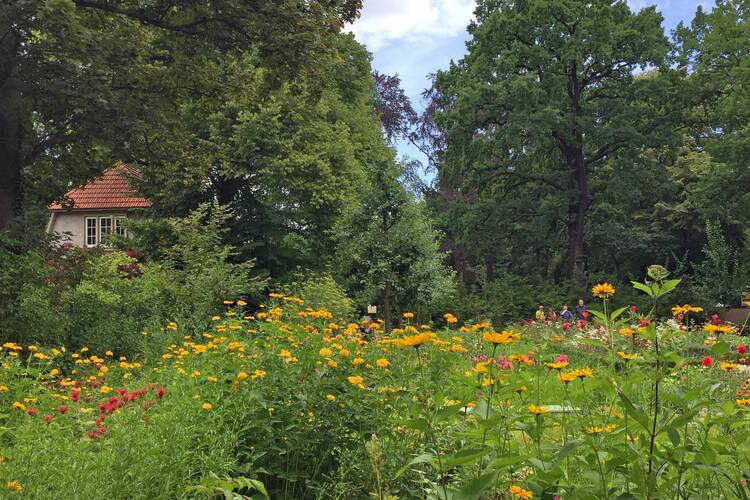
point(581, 313)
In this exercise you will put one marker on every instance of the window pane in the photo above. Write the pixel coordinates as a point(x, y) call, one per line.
point(90, 231)
point(119, 226)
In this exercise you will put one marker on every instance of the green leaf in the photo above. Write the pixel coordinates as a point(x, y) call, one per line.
point(667, 286)
point(642, 287)
point(616, 314)
point(464, 456)
point(634, 412)
point(476, 487)
point(424, 458)
point(720, 349)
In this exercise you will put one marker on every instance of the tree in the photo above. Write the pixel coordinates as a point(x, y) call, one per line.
point(81, 79)
point(546, 94)
point(388, 250)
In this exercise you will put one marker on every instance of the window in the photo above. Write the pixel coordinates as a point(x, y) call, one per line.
point(119, 223)
point(105, 228)
point(91, 239)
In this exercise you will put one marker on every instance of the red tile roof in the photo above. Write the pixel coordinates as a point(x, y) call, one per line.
point(112, 190)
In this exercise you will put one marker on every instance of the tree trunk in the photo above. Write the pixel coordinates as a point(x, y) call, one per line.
point(387, 307)
point(578, 204)
point(10, 130)
point(577, 208)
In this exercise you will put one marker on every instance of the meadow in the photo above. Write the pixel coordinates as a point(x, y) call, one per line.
point(287, 401)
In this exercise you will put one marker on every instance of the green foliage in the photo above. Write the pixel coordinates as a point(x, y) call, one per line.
point(719, 277)
point(388, 250)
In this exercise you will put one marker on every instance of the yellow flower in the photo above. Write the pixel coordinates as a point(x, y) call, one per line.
point(39, 355)
point(415, 341)
point(519, 492)
point(14, 486)
point(357, 361)
point(729, 367)
point(481, 367)
point(599, 430)
point(332, 363)
point(207, 406)
point(105, 389)
point(626, 356)
point(566, 376)
point(537, 410)
point(382, 363)
point(408, 315)
point(331, 397)
point(326, 352)
point(258, 374)
point(344, 353)
point(556, 366)
point(627, 332)
point(743, 402)
point(603, 290)
point(53, 372)
point(356, 380)
point(241, 303)
point(241, 376)
point(583, 372)
point(19, 405)
point(506, 337)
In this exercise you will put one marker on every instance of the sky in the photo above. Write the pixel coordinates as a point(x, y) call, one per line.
point(413, 38)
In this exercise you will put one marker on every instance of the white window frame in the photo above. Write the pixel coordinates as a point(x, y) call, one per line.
point(100, 229)
point(118, 226)
point(86, 231)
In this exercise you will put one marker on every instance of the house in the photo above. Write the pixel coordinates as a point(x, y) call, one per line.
point(86, 215)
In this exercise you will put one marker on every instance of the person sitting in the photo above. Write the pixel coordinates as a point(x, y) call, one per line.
point(566, 314)
point(365, 328)
point(582, 312)
point(552, 315)
point(540, 313)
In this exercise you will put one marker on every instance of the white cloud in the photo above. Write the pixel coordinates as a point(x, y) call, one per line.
point(385, 21)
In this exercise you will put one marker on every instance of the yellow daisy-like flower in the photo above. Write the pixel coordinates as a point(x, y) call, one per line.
point(743, 402)
point(519, 492)
point(506, 337)
point(415, 341)
point(626, 356)
point(207, 406)
point(537, 410)
point(583, 372)
point(626, 332)
point(331, 397)
point(728, 367)
point(603, 290)
point(408, 315)
point(356, 380)
point(326, 352)
point(605, 429)
point(556, 366)
point(357, 361)
point(382, 363)
point(14, 486)
point(566, 377)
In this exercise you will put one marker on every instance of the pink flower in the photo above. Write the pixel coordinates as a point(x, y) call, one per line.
point(62, 408)
point(562, 358)
point(48, 418)
point(633, 309)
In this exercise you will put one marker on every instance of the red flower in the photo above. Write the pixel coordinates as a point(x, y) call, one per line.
point(741, 349)
point(77, 384)
point(75, 396)
point(48, 418)
point(708, 361)
point(581, 323)
point(93, 434)
point(585, 314)
point(565, 325)
point(62, 408)
point(644, 322)
point(633, 309)
point(32, 411)
point(161, 392)
point(122, 391)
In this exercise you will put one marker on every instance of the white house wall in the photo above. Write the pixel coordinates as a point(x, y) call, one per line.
point(75, 224)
